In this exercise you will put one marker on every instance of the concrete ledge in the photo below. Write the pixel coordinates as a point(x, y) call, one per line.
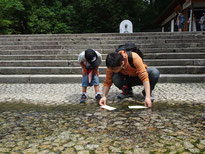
point(96, 46)
point(182, 78)
point(170, 78)
point(70, 51)
point(78, 70)
point(75, 63)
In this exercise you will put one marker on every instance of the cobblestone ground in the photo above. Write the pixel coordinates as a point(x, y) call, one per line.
point(55, 94)
point(175, 124)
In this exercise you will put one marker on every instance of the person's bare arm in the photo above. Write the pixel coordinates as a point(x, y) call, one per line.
point(148, 101)
point(95, 71)
point(105, 92)
point(84, 72)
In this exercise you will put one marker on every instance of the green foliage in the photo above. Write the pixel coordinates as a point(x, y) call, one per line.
point(40, 20)
point(62, 28)
point(50, 19)
point(10, 14)
point(76, 16)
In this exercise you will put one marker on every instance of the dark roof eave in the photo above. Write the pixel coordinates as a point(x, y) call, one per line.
point(168, 11)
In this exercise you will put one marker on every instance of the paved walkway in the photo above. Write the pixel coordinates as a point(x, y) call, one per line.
point(56, 94)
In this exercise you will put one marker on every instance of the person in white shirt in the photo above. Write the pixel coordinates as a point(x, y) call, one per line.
point(90, 60)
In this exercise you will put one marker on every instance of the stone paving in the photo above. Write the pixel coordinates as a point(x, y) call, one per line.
point(174, 125)
point(58, 94)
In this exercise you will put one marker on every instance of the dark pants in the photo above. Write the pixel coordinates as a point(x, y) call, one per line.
point(153, 73)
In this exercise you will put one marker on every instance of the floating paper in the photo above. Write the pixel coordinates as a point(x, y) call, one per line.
point(108, 107)
point(137, 107)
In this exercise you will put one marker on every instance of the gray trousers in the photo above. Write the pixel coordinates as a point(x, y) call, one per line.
point(153, 73)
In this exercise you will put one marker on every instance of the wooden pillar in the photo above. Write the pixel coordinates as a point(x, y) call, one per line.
point(186, 16)
point(163, 29)
point(192, 8)
point(190, 22)
point(172, 25)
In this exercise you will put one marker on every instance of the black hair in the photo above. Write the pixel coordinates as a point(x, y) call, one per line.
point(114, 60)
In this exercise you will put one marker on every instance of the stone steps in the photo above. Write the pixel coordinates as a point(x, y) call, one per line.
point(71, 56)
point(102, 51)
point(52, 58)
point(168, 56)
point(105, 35)
point(41, 57)
point(79, 42)
point(77, 70)
point(76, 78)
point(96, 46)
point(173, 50)
point(75, 63)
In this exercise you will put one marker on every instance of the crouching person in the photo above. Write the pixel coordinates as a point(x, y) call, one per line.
point(90, 60)
point(124, 76)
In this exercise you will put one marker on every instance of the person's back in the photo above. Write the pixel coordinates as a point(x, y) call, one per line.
point(180, 21)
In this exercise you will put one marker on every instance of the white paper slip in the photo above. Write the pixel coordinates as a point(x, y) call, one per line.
point(108, 107)
point(137, 107)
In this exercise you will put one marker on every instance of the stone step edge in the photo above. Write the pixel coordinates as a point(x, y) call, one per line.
point(103, 67)
point(76, 55)
point(76, 61)
point(169, 78)
point(104, 54)
point(105, 45)
point(105, 34)
point(100, 49)
point(161, 40)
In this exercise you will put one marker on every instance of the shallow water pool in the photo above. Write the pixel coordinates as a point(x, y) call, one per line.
point(26, 128)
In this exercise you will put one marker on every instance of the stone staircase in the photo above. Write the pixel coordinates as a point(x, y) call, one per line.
point(48, 58)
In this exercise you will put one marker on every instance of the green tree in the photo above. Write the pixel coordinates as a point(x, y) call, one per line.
point(10, 16)
point(50, 18)
point(77, 16)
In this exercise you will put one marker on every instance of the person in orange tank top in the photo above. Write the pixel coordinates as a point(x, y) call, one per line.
point(123, 76)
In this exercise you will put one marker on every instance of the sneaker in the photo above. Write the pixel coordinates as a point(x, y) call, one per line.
point(122, 96)
point(98, 97)
point(83, 98)
point(151, 97)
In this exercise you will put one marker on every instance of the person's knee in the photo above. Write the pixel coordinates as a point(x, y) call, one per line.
point(95, 80)
point(85, 81)
point(154, 73)
point(117, 80)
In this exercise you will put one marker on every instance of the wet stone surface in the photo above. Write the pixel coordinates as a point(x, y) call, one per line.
point(82, 129)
